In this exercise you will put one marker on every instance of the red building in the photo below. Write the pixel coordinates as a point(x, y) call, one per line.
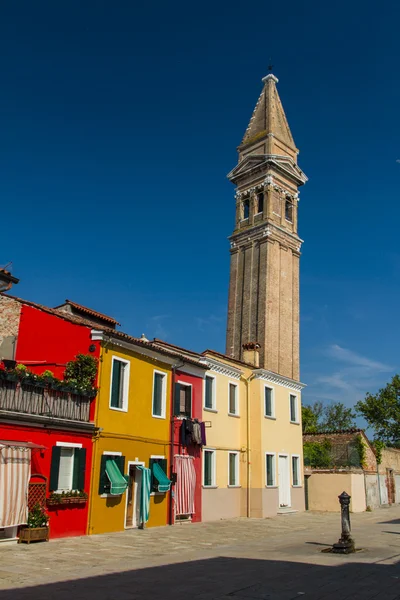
point(51, 427)
point(186, 449)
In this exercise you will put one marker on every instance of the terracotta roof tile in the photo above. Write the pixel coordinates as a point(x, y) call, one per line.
point(89, 311)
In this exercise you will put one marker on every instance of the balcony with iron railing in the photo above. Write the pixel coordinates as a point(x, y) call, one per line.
point(29, 399)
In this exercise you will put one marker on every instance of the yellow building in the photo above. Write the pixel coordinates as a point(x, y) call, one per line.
point(133, 416)
point(252, 464)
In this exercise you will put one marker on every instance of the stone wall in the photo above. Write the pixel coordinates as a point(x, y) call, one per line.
point(390, 460)
point(10, 311)
point(344, 448)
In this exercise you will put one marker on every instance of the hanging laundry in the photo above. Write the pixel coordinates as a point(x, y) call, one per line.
point(182, 432)
point(203, 433)
point(196, 432)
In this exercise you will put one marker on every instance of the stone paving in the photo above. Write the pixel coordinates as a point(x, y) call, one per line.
point(261, 559)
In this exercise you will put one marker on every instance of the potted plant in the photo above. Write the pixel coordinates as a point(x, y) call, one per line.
point(38, 526)
point(70, 497)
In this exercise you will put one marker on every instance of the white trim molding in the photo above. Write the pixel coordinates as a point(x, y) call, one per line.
point(163, 394)
point(68, 445)
point(126, 377)
point(218, 366)
point(286, 382)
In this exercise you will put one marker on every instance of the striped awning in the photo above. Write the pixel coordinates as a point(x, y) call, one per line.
point(117, 480)
point(185, 485)
point(164, 483)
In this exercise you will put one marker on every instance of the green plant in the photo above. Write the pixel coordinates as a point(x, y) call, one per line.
point(38, 517)
point(318, 454)
point(361, 449)
point(48, 374)
point(81, 372)
point(379, 446)
point(68, 494)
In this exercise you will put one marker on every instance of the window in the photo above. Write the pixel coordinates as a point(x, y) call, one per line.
point(296, 470)
point(159, 394)
point(209, 398)
point(104, 481)
point(260, 202)
point(156, 485)
point(119, 384)
point(233, 399)
point(293, 409)
point(209, 468)
point(183, 400)
point(270, 469)
point(269, 407)
point(233, 473)
point(68, 467)
point(246, 209)
point(288, 209)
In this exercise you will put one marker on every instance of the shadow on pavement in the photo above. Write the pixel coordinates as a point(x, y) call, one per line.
point(225, 578)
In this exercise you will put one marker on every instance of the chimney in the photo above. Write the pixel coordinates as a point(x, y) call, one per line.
point(251, 353)
point(6, 280)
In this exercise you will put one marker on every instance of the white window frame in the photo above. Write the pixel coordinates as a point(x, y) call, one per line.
point(73, 446)
point(296, 421)
point(273, 454)
point(213, 468)
point(237, 470)
point(163, 395)
point(185, 383)
point(300, 484)
point(125, 394)
point(214, 393)
point(271, 416)
point(235, 414)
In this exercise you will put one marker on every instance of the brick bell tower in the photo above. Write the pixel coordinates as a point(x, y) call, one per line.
point(263, 305)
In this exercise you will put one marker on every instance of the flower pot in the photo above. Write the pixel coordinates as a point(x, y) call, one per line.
point(33, 534)
point(66, 500)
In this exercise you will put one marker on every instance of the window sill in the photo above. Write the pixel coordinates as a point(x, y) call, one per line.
point(271, 487)
point(158, 417)
point(288, 220)
point(297, 486)
point(233, 415)
point(234, 486)
point(294, 423)
point(118, 409)
point(270, 417)
point(209, 487)
point(213, 410)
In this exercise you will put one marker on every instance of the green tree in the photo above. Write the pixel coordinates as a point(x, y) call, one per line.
point(382, 412)
point(337, 416)
point(311, 417)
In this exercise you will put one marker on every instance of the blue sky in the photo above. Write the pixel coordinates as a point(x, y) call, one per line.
point(119, 123)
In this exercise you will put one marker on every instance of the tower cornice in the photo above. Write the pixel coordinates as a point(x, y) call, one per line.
point(268, 232)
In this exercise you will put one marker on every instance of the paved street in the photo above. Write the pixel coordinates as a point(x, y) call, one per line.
point(270, 559)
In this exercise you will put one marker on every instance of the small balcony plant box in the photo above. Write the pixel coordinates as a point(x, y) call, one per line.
point(72, 497)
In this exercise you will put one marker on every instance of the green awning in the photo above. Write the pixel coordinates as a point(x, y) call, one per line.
point(117, 480)
point(163, 482)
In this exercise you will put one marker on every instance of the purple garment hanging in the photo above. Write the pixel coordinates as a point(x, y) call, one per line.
point(203, 433)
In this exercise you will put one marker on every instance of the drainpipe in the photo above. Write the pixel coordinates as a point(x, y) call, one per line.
point(248, 445)
point(172, 435)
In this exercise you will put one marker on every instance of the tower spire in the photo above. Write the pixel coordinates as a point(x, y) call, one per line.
point(269, 120)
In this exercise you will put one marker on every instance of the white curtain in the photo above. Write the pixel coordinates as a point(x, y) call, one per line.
point(15, 472)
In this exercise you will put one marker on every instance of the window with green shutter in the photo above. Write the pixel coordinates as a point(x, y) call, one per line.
point(159, 394)
point(233, 458)
point(68, 468)
point(209, 468)
point(104, 482)
point(270, 469)
point(233, 399)
point(183, 400)
point(163, 463)
point(119, 384)
point(209, 400)
point(269, 408)
point(293, 408)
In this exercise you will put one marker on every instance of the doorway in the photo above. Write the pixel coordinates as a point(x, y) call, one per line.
point(284, 481)
point(132, 513)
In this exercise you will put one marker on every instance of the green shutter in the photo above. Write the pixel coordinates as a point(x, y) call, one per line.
point(55, 467)
point(157, 395)
point(120, 460)
point(188, 401)
point(209, 390)
point(104, 484)
point(78, 480)
point(116, 383)
point(177, 399)
point(153, 481)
